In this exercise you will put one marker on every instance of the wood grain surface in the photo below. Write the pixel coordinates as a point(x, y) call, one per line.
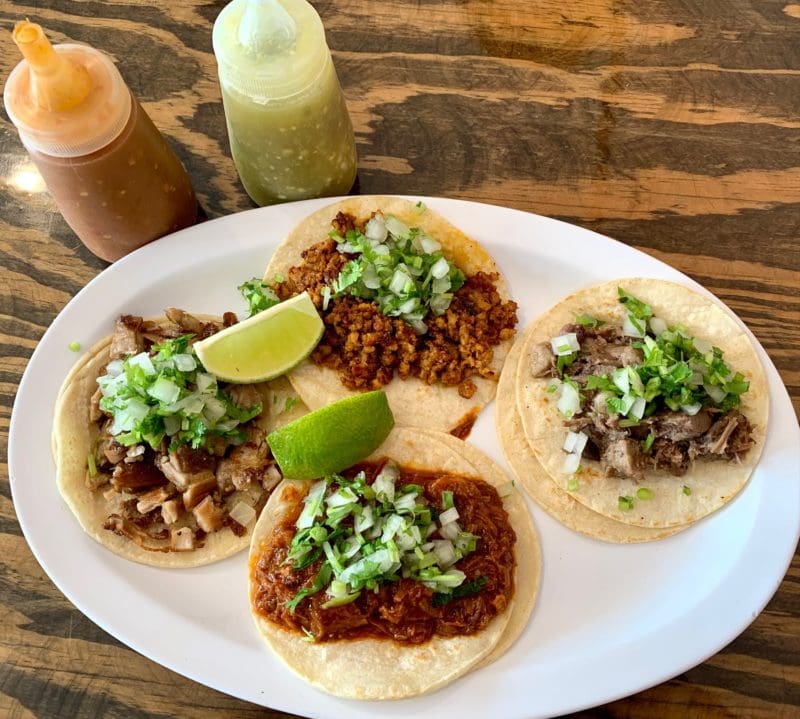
point(670, 125)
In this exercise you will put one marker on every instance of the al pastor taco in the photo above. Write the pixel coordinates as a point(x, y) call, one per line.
point(159, 462)
point(643, 401)
point(410, 305)
point(397, 576)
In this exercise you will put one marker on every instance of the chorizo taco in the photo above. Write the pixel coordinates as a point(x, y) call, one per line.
point(400, 574)
point(158, 461)
point(410, 304)
point(643, 401)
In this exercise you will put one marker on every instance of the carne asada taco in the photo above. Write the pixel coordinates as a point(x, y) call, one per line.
point(643, 400)
point(397, 576)
point(159, 462)
point(409, 303)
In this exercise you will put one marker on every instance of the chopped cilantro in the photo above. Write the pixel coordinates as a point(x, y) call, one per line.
point(405, 273)
point(588, 321)
point(572, 485)
point(290, 403)
point(565, 361)
point(638, 309)
point(364, 535)
point(467, 589)
point(167, 395)
point(74, 346)
point(644, 493)
point(625, 504)
point(420, 207)
point(687, 490)
point(259, 296)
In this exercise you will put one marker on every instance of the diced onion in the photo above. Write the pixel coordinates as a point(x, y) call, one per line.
point(143, 360)
point(657, 325)
point(716, 393)
point(397, 228)
point(450, 530)
point(164, 390)
point(575, 442)
point(637, 408)
point(214, 410)
point(571, 463)
point(370, 278)
point(569, 402)
point(243, 513)
point(440, 268)
point(114, 368)
point(627, 403)
point(449, 515)
point(565, 344)
point(376, 229)
point(440, 285)
point(445, 554)
point(621, 379)
point(399, 281)
point(629, 329)
point(185, 363)
point(429, 245)
point(312, 505)
point(702, 345)
point(205, 382)
point(691, 409)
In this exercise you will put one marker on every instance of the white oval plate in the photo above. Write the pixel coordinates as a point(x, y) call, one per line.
point(610, 620)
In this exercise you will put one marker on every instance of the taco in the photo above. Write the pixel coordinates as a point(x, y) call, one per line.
point(537, 482)
point(642, 401)
point(160, 463)
point(410, 305)
point(446, 583)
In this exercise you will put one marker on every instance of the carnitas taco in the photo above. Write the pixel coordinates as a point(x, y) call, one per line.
point(159, 462)
point(643, 401)
point(410, 304)
point(398, 575)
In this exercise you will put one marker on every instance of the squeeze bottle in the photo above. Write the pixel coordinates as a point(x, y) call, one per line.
point(113, 176)
point(290, 135)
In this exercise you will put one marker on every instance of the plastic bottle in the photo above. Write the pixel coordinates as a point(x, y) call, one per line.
point(290, 134)
point(113, 176)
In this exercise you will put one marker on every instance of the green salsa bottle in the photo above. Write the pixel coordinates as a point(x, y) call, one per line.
point(290, 134)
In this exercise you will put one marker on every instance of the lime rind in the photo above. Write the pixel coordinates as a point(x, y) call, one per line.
point(264, 346)
point(332, 438)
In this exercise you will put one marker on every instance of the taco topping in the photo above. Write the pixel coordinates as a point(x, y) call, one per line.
point(178, 455)
point(393, 304)
point(644, 395)
point(387, 552)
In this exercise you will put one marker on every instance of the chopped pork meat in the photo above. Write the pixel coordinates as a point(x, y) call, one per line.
point(136, 476)
point(245, 463)
point(186, 466)
point(210, 517)
point(127, 339)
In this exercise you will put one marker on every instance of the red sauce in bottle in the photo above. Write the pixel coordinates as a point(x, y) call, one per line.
point(113, 176)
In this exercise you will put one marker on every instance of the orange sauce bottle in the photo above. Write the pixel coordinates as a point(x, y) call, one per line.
point(115, 180)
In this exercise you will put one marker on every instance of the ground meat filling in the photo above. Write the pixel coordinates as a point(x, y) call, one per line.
point(678, 438)
point(368, 348)
point(403, 611)
point(169, 501)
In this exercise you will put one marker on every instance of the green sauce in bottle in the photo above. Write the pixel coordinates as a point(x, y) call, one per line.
point(290, 134)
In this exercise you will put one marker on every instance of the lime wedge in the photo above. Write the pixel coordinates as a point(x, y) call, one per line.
point(264, 346)
point(332, 438)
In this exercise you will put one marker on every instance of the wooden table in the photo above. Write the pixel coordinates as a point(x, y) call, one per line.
point(671, 125)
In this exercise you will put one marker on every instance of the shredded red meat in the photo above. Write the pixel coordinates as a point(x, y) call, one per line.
point(402, 610)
